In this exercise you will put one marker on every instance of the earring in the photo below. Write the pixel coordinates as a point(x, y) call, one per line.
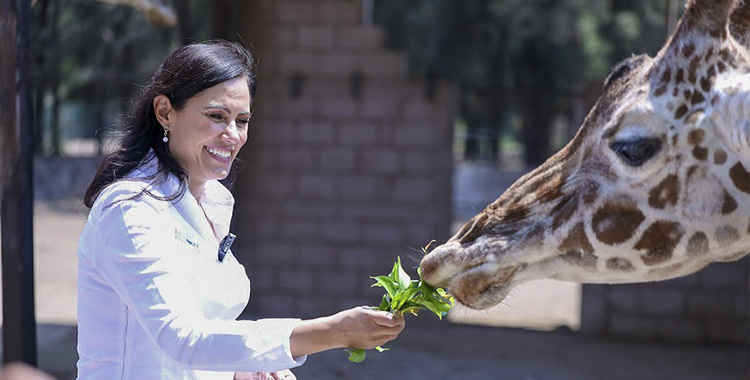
point(166, 138)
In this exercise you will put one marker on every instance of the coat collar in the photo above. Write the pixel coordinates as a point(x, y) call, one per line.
point(216, 201)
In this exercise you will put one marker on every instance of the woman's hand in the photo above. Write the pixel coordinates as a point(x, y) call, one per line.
point(360, 327)
point(363, 327)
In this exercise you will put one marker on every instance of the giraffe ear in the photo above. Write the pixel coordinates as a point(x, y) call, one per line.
point(702, 20)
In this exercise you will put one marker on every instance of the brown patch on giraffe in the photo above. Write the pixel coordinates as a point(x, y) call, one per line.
point(564, 210)
point(688, 50)
point(577, 249)
point(726, 235)
point(740, 177)
point(660, 91)
point(680, 76)
point(666, 76)
point(577, 240)
point(697, 244)
point(709, 54)
point(514, 214)
point(665, 193)
point(618, 264)
point(670, 106)
point(720, 157)
point(681, 111)
point(675, 139)
point(697, 98)
point(706, 82)
point(550, 190)
point(686, 94)
point(700, 153)
point(659, 241)
point(616, 222)
point(581, 260)
point(590, 193)
point(696, 136)
point(729, 203)
point(693, 69)
point(725, 55)
point(674, 92)
point(721, 66)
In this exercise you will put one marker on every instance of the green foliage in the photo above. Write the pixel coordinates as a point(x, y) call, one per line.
point(404, 295)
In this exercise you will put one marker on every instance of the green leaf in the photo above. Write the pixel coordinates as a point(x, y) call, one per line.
point(385, 304)
point(403, 279)
point(401, 297)
point(357, 355)
point(386, 282)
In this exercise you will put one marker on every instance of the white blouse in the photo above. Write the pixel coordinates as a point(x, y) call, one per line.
point(155, 302)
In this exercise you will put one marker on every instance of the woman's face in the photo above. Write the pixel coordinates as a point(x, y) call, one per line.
point(208, 132)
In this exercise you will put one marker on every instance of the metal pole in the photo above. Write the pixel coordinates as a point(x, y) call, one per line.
point(17, 199)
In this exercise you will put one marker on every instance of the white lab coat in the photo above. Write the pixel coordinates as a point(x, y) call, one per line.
point(154, 301)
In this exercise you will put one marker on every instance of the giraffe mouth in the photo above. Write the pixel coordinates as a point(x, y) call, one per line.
point(476, 281)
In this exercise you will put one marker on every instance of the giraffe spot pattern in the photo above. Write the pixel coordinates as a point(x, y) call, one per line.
point(577, 249)
point(659, 241)
point(618, 264)
point(688, 50)
point(700, 153)
point(679, 78)
point(590, 193)
point(726, 235)
point(697, 98)
point(740, 177)
point(720, 157)
point(665, 193)
point(696, 136)
point(697, 244)
point(729, 203)
point(693, 70)
point(615, 223)
point(681, 111)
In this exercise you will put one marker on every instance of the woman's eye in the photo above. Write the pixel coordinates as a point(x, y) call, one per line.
point(243, 121)
point(216, 116)
point(636, 152)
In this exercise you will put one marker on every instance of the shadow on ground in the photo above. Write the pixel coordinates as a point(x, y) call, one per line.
point(448, 351)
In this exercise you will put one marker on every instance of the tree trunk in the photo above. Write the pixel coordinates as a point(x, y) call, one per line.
point(16, 199)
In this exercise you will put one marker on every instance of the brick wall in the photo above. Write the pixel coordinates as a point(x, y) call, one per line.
point(348, 162)
point(710, 306)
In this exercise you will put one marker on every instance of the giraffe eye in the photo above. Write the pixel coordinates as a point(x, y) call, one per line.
point(636, 152)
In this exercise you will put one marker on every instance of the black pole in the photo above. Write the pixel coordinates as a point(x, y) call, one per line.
point(17, 198)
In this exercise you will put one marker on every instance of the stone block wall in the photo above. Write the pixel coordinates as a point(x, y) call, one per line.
point(348, 163)
point(710, 306)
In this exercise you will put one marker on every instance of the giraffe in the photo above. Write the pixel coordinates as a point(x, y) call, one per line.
point(654, 185)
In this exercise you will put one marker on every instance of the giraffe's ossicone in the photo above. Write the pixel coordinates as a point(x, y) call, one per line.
point(655, 184)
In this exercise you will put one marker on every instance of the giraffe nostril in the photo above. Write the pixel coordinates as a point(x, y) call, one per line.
point(471, 230)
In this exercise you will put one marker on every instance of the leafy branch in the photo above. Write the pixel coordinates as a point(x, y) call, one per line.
point(404, 295)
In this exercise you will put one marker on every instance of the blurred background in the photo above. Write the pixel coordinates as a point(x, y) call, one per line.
point(380, 125)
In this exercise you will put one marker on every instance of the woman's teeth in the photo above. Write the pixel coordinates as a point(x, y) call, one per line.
point(219, 152)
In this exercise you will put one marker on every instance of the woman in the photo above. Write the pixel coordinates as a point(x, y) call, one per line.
point(155, 300)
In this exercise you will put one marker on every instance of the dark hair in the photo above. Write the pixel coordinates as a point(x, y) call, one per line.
point(186, 72)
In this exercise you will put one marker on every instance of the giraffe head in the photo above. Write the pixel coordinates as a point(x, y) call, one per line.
point(654, 185)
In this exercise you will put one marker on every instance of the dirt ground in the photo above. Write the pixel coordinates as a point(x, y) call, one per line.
point(426, 349)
